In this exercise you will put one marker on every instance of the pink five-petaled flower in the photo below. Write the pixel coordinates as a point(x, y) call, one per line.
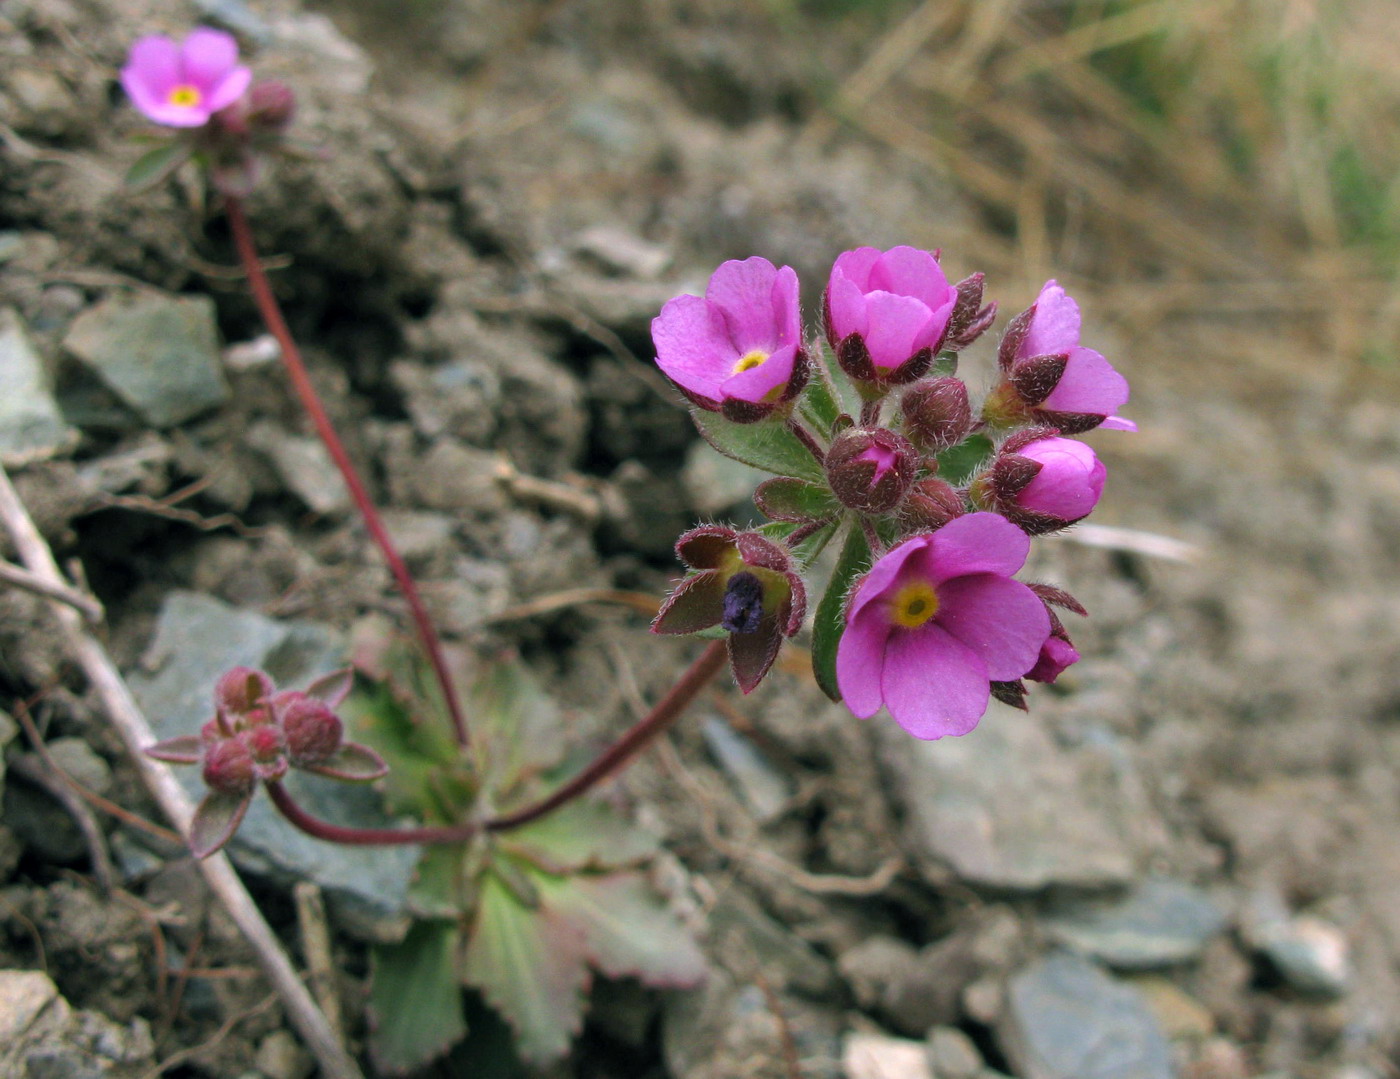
point(1052, 377)
point(936, 621)
point(738, 349)
point(183, 85)
point(887, 313)
point(746, 585)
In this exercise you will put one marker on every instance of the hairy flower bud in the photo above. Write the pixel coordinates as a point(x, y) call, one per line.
point(240, 691)
point(313, 731)
point(271, 106)
point(930, 504)
point(229, 767)
point(1041, 482)
point(870, 470)
point(937, 414)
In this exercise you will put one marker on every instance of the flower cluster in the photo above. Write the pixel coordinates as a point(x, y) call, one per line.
point(256, 735)
point(224, 119)
point(937, 500)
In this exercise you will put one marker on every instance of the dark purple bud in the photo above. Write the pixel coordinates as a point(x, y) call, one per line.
point(313, 731)
point(228, 767)
point(241, 690)
point(930, 505)
point(743, 603)
point(870, 470)
point(937, 414)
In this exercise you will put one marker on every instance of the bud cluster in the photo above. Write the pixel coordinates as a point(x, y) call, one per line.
point(943, 493)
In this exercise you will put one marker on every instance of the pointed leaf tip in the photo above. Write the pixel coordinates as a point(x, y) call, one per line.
point(215, 820)
point(352, 762)
point(183, 749)
point(332, 689)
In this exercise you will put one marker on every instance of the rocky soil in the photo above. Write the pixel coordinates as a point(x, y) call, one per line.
point(1183, 862)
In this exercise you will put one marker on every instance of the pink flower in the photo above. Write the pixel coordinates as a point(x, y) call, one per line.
point(1068, 386)
point(738, 349)
point(1069, 481)
point(183, 85)
point(936, 621)
point(887, 312)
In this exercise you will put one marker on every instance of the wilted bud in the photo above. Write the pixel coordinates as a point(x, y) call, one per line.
point(937, 414)
point(870, 470)
point(313, 731)
point(1058, 652)
point(240, 691)
point(969, 319)
point(229, 767)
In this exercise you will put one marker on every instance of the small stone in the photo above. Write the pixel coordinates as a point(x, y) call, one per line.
point(1158, 923)
point(876, 964)
point(762, 788)
point(31, 426)
point(280, 1057)
point(24, 994)
point(1181, 1017)
point(952, 1054)
point(1067, 1019)
point(877, 1056)
point(621, 252)
point(305, 466)
point(418, 534)
point(984, 999)
point(76, 758)
point(1310, 954)
point(715, 483)
point(159, 354)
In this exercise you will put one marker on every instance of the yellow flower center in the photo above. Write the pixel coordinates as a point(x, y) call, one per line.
point(750, 360)
point(187, 97)
point(914, 604)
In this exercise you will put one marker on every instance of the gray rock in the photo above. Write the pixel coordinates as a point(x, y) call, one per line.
point(305, 466)
point(159, 354)
point(42, 1037)
point(750, 944)
point(1159, 923)
point(1008, 808)
point(764, 790)
point(716, 483)
point(24, 994)
point(953, 1054)
point(1067, 1019)
point(878, 1056)
point(30, 424)
point(197, 639)
point(1310, 954)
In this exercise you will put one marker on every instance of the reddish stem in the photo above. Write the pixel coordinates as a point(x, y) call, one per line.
point(642, 733)
point(807, 439)
point(272, 315)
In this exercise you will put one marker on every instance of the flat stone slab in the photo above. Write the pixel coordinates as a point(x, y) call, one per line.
point(197, 639)
point(1159, 923)
point(1067, 1019)
point(31, 426)
point(159, 354)
point(1008, 808)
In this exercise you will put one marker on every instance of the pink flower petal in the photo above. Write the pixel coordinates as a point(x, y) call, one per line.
point(1002, 621)
point(787, 311)
point(1089, 384)
point(934, 685)
point(743, 292)
point(757, 383)
point(885, 574)
point(226, 92)
point(898, 326)
point(154, 62)
point(908, 271)
point(977, 543)
point(1055, 327)
point(860, 660)
point(856, 266)
point(207, 57)
point(1118, 423)
point(693, 346)
point(1069, 482)
point(846, 302)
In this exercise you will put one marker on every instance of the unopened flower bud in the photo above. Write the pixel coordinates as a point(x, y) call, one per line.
point(228, 767)
point(937, 414)
point(1041, 482)
point(265, 743)
point(313, 731)
point(870, 470)
point(931, 504)
point(241, 690)
point(271, 106)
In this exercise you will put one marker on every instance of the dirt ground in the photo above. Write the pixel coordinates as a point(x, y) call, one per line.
point(510, 192)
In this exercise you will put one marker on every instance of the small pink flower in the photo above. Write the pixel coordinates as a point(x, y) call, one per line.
point(887, 312)
point(1069, 481)
point(936, 621)
point(1069, 386)
point(184, 85)
point(738, 349)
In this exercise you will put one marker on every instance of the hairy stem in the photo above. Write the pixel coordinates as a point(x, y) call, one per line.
point(271, 314)
point(807, 439)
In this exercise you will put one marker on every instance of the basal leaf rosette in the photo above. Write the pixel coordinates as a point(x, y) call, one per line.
point(1049, 378)
point(745, 584)
point(737, 350)
point(936, 621)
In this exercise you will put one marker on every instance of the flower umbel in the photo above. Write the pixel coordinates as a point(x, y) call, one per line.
point(183, 85)
point(936, 621)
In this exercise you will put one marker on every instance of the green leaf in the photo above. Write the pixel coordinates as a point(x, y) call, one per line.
point(627, 929)
point(155, 165)
point(767, 445)
point(417, 753)
point(786, 499)
point(820, 404)
point(531, 966)
point(415, 998)
point(443, 883)
point(352, 763)
point(586, 834)
point(215, 820)
point(830, 620)
point(515, 726)
point(957, 464)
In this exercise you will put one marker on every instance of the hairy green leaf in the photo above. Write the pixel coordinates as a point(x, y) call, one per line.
point(956, 465)
point(155, 165)
point(515, 726)
point(830, 620)
point(587, 834)
point(415, 998)
point(767, 445)
point(786, 499)
point(530, 965)
point(627, 929)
